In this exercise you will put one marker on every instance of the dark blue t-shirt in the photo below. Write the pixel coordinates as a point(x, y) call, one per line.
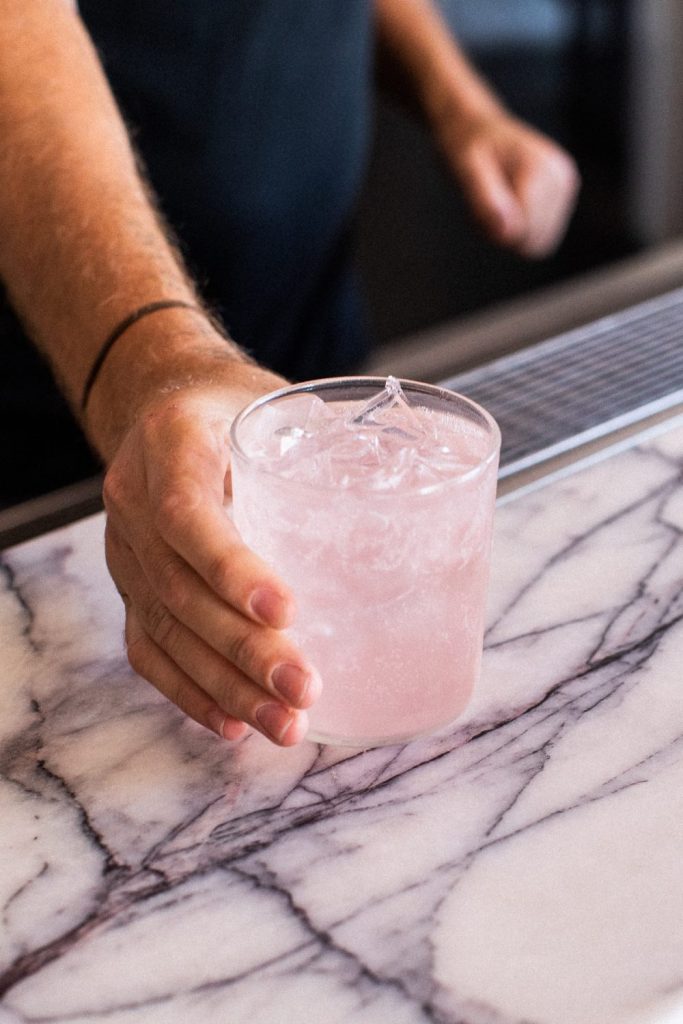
point(252, 118)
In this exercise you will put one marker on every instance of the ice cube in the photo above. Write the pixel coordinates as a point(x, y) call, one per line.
point(377, 411)
point(281, 425)
point(366, 416)
point(400, 404)
point(290, 437)
point(382, 445)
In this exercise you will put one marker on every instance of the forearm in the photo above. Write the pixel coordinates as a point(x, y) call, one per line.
point(445, 85)
point(81, 245)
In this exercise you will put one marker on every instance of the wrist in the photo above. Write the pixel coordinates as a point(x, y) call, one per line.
point(456, 101)
point(147, 309)
point(445, 85)
point(174, 350)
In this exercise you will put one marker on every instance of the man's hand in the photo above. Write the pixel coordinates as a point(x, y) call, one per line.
point(520, 185)
point(204, 615)
point(81, 247)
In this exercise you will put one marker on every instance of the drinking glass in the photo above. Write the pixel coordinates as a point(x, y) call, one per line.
point(379, 518)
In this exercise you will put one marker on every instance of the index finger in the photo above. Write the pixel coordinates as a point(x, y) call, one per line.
point(186, 487)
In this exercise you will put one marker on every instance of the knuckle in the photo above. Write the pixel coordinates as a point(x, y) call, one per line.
point(240, 651)
point(171, 513)
point(565, 170)
point(172, 584)
point(221, 572)
point(161, 625)
point(137, 649)
point(110, 545)
point(181, 695)
point(113, 488)
point(228, 696)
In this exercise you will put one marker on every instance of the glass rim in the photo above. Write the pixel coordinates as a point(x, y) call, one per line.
point(328, 383)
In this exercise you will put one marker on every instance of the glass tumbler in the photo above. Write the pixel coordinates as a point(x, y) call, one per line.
point(375, 506)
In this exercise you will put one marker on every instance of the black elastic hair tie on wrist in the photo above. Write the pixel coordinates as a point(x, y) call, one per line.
point(121, 328)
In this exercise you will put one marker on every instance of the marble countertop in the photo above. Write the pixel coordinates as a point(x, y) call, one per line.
point(525, 867)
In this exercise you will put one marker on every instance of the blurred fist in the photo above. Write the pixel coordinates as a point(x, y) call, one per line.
point(520, 185)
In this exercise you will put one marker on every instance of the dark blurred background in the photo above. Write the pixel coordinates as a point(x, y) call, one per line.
point(601, 77)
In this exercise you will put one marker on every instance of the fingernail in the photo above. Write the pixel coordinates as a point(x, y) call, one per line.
point(233, 731)
point(296, 685)
point(269, 607)
point(216, 721)
point(275, 719)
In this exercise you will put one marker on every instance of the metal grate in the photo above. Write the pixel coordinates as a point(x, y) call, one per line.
point(560, 393)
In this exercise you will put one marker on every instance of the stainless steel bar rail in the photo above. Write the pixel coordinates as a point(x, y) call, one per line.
point(587, 384)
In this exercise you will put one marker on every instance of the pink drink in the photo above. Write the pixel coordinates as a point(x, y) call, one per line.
point(376, 508)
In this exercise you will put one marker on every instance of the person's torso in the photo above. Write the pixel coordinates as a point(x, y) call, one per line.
point(252, 116)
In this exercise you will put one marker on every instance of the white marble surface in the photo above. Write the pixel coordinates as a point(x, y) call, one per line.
point(525, 868)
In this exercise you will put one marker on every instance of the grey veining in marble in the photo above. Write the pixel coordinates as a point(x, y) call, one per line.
point(525, 867)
